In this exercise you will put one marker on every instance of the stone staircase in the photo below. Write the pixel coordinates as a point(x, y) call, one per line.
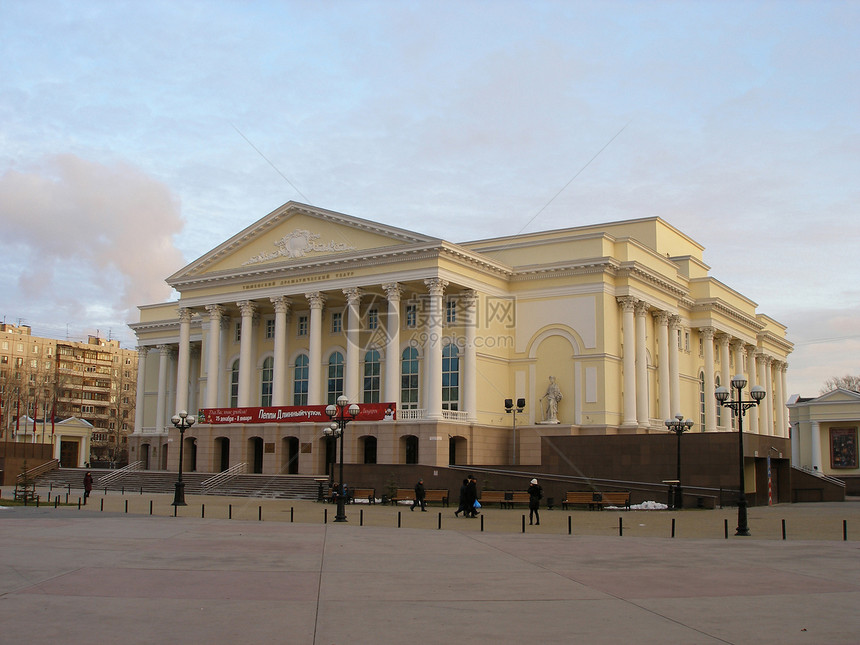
point(159, 481)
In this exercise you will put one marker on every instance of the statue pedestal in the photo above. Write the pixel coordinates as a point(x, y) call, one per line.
point(550, 422)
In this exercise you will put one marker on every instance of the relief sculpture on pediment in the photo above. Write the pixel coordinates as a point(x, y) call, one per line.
point(298, 244)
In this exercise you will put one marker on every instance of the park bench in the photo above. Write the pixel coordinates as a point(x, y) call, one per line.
point(516, 497)
point(492, 497)
point(596, 500)
point(430, 495)
point(362, 493)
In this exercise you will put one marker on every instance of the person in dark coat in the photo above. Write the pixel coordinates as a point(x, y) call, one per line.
point(462, 507)
point(471, 497)
point(535, 495)
point(420, 495)
point(88, 485)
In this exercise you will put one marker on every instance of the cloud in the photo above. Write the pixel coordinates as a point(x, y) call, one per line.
point(84, 237)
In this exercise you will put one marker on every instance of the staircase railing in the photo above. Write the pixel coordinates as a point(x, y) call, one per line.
point(221, 478)
point(31, 474)
point(122, 472)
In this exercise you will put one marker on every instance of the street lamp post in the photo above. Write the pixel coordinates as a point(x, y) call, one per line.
point(183, 422)
point(510, 409)
point(340, 414)
point(679, 427)
point(739, 408)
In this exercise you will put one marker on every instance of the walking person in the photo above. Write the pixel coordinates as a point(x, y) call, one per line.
point(462, 507)
point(420, 497)
point(471, 497)
point(88, 485)
point(535, 495)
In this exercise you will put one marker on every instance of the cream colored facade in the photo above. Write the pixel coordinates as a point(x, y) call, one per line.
point(624, 315)
point(825, 433)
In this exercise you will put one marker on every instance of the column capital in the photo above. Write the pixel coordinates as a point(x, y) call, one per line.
point(143, 350)
point(215, 311)
point(353, 295)
point(722, 338)
point(642, 308)
point(165, 350)
point(281, 304)
point(247, 307)
point(436, 286)
point(628, 303)
point(737, 345)
point(707, 332)
point(662, 316)
point(185, 314)
point(316, 299)
point(393, 290)
point(675, 321)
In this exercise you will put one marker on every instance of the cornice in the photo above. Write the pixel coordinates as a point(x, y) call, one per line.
point(645, 274)
point(565, 268)
point(715, 304)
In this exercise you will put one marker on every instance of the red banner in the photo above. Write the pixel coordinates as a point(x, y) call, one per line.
point(293, 414)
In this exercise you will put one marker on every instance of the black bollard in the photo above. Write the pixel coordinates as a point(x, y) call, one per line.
point(524, 523)
point(57, 501)
point(229, 511)
point(102, 504)
point(175, 508)
point(620, 526)
point(440, 521)
point(673, 527)
point(482, 522)
point(361, 517)
point(783, 529)
point(726, 527)
point(259, 513)
point(291, 514)
point(569, 526)
point(844, 530)
point(325, 516)
point(79, 503)
point(126, 506)
point(398, 519)
point(150, 507)
point(202, 511)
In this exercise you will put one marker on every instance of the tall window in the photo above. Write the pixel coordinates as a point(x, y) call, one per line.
point(370, 450)
point(336, 322)
point(371, 376)
point(234, 384)
point(702, 401)
point(300, 380)
point(302, 326)
point(451, 311)
point(266, 382)
point(270, 329)
point(450, 378)
point(411, 449)
point(411, 316)
point(335, 377)
point(238, 332)
point(372, 319)
point(719, 407)
point(409, 379)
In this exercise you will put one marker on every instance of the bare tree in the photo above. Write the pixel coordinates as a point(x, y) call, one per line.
point(847, 382)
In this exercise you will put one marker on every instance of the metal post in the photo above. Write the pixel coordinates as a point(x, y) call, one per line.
point(743, 524)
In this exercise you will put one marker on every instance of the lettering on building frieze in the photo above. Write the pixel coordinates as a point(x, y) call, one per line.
point(338, 275)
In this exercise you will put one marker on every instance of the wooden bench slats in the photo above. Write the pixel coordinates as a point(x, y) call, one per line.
point(597, 500)
point(430, 495)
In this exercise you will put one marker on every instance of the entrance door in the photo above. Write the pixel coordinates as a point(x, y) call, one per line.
point(144, 455)
point(69, 454)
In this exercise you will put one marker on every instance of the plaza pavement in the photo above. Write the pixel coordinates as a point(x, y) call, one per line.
point(106, 576)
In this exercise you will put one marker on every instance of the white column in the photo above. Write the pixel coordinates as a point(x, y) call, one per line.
point(391, 378)
point(663, 387)
point(353, 325)
point(213, 352)
point(161, 401)
point(182, 368)
point(433, 348)
point(761, 379)
point(710, 401)
point(770, 399)
point(246, 353)
point(783, 418)
point(279, 374)
point(643, 414)
point(815, 438)
point(141, 389)
point(725, 377)
point(316, 301)
point(469, 301)
point(674, 369)
point(752, 380)
point(737, 347)
point(628, 336)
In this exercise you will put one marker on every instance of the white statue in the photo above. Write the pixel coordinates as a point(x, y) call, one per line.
point(553, 396)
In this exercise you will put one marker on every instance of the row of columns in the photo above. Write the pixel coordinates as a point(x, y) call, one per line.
point(433, 334)
point(761, 369)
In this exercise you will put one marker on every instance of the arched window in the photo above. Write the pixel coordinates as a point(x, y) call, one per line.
point(702, 401)
point(409, 379)
point(371, 377)
point(450, 378)
point(234, 384)
point(266, 382)
point(411, 449)
point(335, 377)
point(300, 380)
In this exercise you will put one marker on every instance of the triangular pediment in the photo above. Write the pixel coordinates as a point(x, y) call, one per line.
point(296, 234)
point(838, 396)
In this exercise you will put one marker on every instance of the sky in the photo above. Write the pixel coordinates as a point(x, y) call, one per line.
point(136, 136)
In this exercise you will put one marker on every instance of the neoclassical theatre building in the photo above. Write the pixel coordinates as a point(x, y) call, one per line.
point(602, 330)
